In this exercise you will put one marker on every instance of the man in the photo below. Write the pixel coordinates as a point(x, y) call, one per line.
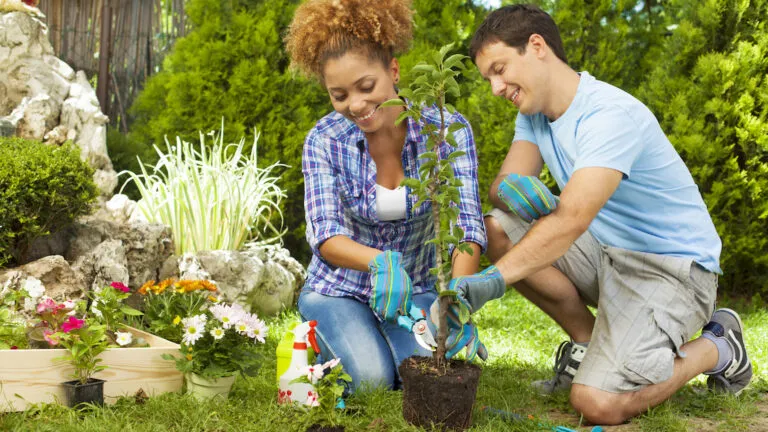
point(630, 233)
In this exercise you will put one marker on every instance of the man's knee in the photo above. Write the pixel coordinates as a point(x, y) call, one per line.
point(597, 406)
point(498, 241)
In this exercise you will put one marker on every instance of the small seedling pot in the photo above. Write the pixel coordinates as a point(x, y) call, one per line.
point(204, 388)
point(90, 392)
point(432, 398)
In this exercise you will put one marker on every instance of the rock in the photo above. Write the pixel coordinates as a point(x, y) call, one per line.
point(104, 265)
point(60, 280)
point(7, 128)
point(263, 278)
point(44, 98)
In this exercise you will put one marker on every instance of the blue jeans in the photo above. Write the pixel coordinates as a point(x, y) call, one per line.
point(370, 351)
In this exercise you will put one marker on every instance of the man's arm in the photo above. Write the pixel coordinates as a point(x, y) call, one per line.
point(524, 159)
point(550, 237)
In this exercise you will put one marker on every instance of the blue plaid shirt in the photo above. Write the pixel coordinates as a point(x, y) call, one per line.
point(340, 199)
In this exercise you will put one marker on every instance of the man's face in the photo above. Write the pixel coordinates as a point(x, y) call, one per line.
point(512, 75)
point(358, 86)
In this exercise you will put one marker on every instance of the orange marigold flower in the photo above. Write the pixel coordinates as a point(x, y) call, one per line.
point(147, 285)
point(165, 283)
point(210, 286)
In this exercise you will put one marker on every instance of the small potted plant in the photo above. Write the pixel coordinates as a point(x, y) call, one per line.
point(83, 342)
point(329, 381)
point(218, 343)
point(436, 391)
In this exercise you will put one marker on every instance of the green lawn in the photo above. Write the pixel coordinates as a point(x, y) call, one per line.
point(521, 341)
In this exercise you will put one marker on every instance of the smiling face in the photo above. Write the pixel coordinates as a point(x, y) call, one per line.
point(515, 76)
point(357, 86)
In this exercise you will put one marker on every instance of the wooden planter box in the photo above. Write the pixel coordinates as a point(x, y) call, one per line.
point(33, 376)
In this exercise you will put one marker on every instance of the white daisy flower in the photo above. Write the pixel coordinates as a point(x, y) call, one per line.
point(257, 329)
point(123, 338)
point(227, 315)
point(194, 328)
point(217, 333)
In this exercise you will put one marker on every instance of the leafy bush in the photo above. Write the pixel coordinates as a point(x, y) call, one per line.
point(42, 190)
point(709, 93)
point(212, 198)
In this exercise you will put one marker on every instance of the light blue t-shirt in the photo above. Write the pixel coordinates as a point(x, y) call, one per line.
point(657, 207)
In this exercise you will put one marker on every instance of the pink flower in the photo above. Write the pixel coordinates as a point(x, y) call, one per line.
point(14, 347)
point(120, 286)
point(46, 305)
point(72, 323)
point(48, 336)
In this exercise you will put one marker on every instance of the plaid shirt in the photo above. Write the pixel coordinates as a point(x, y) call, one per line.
point(340, 199)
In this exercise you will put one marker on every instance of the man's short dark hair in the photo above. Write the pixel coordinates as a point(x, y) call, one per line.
point(514, 25)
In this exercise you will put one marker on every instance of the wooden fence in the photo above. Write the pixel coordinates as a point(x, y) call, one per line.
point(139, 34)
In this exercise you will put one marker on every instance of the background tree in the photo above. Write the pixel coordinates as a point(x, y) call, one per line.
point(709, 92)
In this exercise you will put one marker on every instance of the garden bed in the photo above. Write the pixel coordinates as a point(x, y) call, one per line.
point(33, 375)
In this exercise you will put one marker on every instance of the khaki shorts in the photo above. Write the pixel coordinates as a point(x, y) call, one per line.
point(648, 305)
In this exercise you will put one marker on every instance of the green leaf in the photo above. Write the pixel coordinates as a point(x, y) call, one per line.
point(130, 311)
point(393, 102)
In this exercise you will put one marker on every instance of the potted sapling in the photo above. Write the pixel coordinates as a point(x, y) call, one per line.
point(436, 390)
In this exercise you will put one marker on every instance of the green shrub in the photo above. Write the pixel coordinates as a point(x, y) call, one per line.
point(709, 93)
point(42, 189)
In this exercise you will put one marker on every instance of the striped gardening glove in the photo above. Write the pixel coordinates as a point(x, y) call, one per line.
point(526, 197)
point(392, 288)
point(461, 333)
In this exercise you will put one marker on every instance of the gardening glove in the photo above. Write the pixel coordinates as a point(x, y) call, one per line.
point(392, 288)
point(460, 335)
point(526, 196)
point(475, 290)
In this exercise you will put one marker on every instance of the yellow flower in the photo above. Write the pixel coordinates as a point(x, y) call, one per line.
point(213, 299)
point(189, 349)
point(176, 320)
point(189, 357)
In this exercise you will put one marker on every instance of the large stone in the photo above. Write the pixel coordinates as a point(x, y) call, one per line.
point(262, 278)
point(60, 280)
point(41, 96)
point(145, 246)
point(103, 265)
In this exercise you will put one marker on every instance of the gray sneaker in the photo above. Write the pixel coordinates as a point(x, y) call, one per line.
point(567, 360)
point(726, 323)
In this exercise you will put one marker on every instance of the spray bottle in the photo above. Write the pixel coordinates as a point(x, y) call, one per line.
point(299, 392)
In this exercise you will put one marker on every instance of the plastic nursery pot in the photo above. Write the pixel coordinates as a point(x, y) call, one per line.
point(90, 392)
point(431, 397)
point(203, 388)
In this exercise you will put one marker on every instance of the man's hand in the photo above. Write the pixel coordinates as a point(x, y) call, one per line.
point(459, 335)
point(392, 288)
point(477, 289)
point(526, 197)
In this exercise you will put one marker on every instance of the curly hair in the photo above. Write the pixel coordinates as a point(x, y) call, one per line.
point(326, 29)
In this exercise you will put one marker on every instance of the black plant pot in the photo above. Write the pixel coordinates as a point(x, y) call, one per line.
point(90, 392)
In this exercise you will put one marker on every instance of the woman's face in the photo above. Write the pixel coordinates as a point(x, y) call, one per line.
point(358, 86)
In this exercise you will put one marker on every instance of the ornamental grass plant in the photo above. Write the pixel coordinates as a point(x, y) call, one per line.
point(213, 195)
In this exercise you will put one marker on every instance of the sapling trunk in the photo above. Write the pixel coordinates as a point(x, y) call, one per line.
point(437, 183)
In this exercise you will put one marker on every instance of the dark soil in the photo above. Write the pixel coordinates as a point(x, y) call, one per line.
point(439, 397)
point(319, 428)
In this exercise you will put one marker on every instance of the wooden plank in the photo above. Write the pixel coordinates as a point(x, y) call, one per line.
point(35, 375)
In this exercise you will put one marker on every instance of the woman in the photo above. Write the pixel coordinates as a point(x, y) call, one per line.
point(367, 239)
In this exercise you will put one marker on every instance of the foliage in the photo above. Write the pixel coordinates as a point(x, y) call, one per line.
point(84, 343)
point(108, 308)
point(212, 198)
point(42, 190)
point(329, 387)
point(126, 155)
point(437, 183)
point(52, 317)
point(232, 65)
point(708, 92)
point(165, 303)
point(220, 341)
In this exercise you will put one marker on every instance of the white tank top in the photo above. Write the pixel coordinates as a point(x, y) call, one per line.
point(390, 204)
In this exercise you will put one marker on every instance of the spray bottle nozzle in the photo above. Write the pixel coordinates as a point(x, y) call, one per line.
point(311, 337)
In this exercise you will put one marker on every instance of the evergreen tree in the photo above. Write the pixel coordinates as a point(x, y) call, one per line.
point(709, 92)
